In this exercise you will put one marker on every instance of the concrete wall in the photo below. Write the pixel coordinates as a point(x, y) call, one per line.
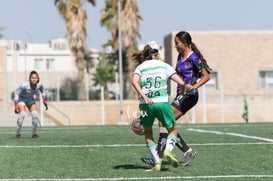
point(92, 112)
point(214, 110)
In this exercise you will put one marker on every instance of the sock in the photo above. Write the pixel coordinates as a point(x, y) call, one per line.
point(152, 148)
point(35, 121)
point(180, 143)
point(20, 121)
point(161, 143)
point(171, 139)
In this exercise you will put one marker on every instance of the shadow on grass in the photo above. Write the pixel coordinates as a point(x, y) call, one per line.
point(132, 166)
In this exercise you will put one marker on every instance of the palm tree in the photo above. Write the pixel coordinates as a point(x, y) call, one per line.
point(105, 72)
point(130, 20)
point(75, 17)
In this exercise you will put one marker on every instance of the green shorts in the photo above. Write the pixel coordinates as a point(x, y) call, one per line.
point(162, 111)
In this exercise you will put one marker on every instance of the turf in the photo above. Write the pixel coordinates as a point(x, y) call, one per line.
point(225, 152)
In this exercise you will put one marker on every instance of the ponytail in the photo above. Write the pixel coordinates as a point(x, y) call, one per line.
point(203, 60)
point(145, 54)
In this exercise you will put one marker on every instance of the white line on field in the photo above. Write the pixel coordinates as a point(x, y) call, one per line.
point(232, 134)
point(150, 178)
point(70, 146)
point(127, 145)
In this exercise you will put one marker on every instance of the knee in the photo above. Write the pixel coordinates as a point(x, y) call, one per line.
point(172, 130)
point(21, 117)
point(34, 115)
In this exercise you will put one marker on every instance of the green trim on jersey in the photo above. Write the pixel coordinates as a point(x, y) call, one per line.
point(152, 69)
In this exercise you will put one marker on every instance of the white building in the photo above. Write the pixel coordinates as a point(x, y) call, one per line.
point(53, 61)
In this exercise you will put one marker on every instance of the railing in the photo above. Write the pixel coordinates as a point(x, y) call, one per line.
point(62, 113)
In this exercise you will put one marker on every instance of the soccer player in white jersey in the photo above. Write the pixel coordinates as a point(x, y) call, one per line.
point(150, 80)
point(25, 99)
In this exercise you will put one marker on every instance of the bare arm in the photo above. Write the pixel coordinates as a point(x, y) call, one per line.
point(135, 83)
point(178, 80)
point(205, 77)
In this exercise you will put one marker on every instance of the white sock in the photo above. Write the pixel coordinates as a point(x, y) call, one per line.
point(171, 139)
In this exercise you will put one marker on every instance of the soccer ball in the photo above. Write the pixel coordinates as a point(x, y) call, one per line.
point(137, 127)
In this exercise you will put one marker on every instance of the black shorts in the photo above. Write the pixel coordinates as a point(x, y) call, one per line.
point(184, 103)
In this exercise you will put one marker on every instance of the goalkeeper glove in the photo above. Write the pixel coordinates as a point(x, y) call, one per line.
point(16, 106)
point(45, 103)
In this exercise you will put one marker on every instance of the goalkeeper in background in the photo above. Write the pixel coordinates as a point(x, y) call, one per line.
point(24, 99)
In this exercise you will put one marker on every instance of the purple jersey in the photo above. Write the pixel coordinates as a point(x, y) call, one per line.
point(189, 70)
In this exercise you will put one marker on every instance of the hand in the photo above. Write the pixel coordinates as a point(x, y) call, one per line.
point(189, 86)
point(148, 100)
point(182, 90)
point(45, 103)
point(16, 110)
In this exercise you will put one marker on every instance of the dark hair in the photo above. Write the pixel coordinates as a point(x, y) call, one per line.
point(146, 54)
point(33, 72)
point(185, 37)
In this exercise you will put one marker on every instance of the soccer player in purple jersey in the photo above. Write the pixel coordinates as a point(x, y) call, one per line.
point(192, 67)
point(24, 99)
point(194, 71)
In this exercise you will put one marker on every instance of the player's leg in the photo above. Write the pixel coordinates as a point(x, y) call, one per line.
point(151, 145)
point(180, 106)
point(35, 120)
point(180, 143)
point(20, 119)
point(246, 117)
point(147, 119)
point(170, 143)
point(166, 117)
point(161, 144)
point(189, 153)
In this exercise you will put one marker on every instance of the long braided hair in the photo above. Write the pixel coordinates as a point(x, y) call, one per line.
point(185, 37)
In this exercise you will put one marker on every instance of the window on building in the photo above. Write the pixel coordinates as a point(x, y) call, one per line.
point(266, 79)
point(38, 63)
point(212, 83)
point(50, 64)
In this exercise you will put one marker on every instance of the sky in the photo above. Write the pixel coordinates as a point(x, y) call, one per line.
point(38, 21)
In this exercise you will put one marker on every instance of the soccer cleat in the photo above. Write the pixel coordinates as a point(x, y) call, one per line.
point(35, 136)
point(149, 161)
point(188, 156)
point(157, 167)
point(18, 136)
point(170, 157)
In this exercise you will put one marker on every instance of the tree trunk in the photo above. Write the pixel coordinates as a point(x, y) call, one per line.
point(80, 78)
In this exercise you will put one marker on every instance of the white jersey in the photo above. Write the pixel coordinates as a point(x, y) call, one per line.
point(154, 75)
point(25, 91)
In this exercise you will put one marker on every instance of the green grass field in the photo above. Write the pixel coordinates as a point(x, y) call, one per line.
point(225, 152)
